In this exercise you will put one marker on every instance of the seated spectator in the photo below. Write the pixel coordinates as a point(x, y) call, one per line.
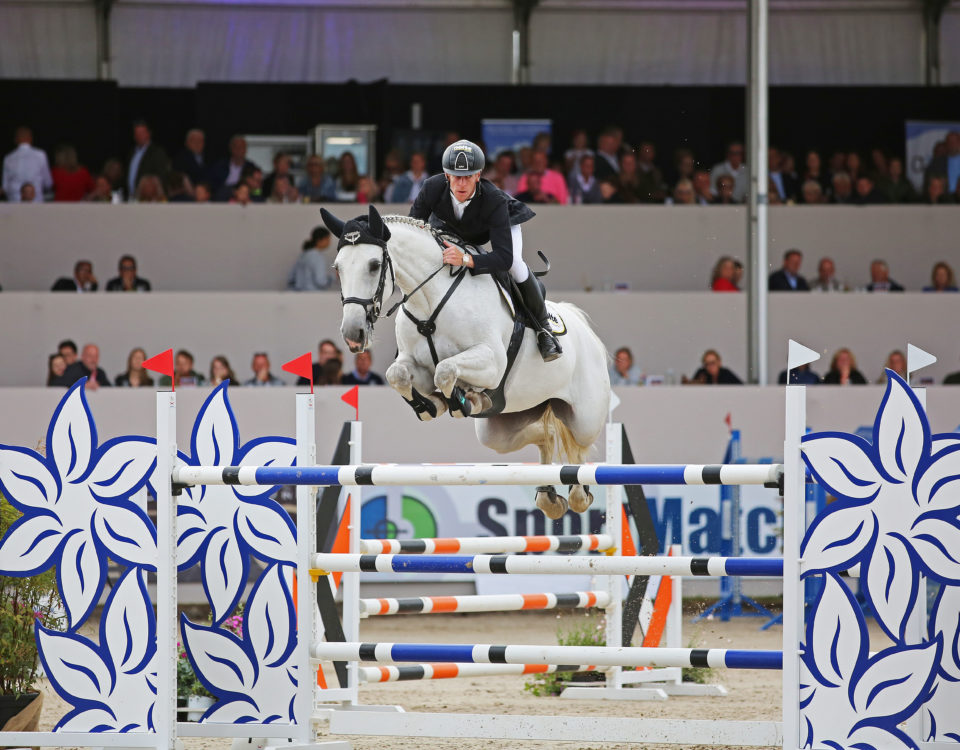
point(524, 159)
point(682, 194)
point(128, 281)
point(502, 172)
point(229, 172)
point(220, 371)
point(733, 166)
point(837, 163)
point(406, 187)
point(102, 192)
point(814, 171)
point(183, 372)
point(281, 167)
point(895, 185)
point(28, 193)
point(880, 280)
point(791, 180)
point(788, 278)
point(701, 187)
point(684, 166)
point(724, 272)
point(724, 191)
point(71, 181)
point(68, 350)
point(942, 279)
point(26, 164)
point(283, 191)
point(737, 273)
point(348, 178)
point(134, 376)
point(881, 166)
point(945, 163)
point(317, 186)
point(311, 271)
point(83, 279)
point(842, 189)
point(331, 373)
point(610, 192)
point(624, 370)
point(202, 193)
point(801, 375)
point(177, 188)
point(149, 190)
point(936, 193)
point(579, 147)
point(534, 191)
point(712, 372)
point(843, 370)
point(651, 187)
point(191, 161)
point(551, 181)
point(367, 191)
point(113, 171)
point(584, 186)
point(88, 366)
point(867, 192)
point(826, 280)
point(811, 193)
point(632, 184)
point(854, 166)
point(56, 367)
point(326, 351)
point(773, 194)
point(362, 374)
point(241, 195)
point(261, 372)
point(392, 168)
point(897, 362)
point(777, 187)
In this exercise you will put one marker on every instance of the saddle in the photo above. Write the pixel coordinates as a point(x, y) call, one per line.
point(522, 319)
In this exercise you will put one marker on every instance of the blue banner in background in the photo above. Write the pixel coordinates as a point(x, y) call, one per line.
point(511, 135)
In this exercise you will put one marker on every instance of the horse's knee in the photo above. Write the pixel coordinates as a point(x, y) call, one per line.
point(400, 378)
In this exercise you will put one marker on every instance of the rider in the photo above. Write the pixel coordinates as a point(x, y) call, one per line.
point(478, 211)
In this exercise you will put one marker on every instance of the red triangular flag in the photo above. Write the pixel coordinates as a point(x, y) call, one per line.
point(162, 363)
point(352, 397)
point(301, 366)
point(729, 420)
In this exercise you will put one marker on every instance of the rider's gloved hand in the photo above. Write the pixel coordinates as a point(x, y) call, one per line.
point(454, 256)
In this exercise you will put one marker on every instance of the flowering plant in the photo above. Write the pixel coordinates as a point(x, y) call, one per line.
point(23, 601)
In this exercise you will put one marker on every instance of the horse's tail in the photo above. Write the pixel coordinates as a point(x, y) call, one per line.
point(560, 440)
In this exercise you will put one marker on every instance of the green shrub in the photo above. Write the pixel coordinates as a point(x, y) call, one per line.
point(588, 630)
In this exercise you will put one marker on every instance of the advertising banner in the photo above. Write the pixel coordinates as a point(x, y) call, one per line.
point(922, 136)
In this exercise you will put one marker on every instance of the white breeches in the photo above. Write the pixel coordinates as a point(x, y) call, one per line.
point(518, 270)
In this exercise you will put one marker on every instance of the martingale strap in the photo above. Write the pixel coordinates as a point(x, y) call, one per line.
point(428, 327)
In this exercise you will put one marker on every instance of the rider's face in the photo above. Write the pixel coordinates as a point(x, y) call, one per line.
point(462, 187)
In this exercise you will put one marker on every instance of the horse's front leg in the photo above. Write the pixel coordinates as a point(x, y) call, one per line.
point(415, 384)
point(477, 367)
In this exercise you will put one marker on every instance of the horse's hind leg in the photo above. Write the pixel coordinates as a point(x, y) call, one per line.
point(506, 433)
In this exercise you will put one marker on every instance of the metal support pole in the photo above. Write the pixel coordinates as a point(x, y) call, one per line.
point(102, 10)
point(757, 143)
point(520, 67)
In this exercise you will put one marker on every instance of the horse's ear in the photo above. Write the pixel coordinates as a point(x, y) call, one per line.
point(377, 228)
point(333, 223)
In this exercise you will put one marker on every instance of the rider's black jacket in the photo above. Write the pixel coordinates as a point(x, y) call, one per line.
point(488, 218)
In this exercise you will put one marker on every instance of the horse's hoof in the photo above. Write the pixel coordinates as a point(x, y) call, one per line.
point(580, 498)
point(552, 504)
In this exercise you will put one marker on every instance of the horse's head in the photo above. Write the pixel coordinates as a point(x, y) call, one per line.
point(365, 271)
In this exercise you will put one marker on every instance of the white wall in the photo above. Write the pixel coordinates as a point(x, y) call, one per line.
point(665, 330)
point(651, 248)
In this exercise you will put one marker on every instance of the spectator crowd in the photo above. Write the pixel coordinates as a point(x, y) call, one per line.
point(607, 170)
point(68, 364)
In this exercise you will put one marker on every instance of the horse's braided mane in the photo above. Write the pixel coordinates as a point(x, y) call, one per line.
point(409, 221)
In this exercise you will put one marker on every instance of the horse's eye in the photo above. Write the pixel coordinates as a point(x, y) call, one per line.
point(374, 266)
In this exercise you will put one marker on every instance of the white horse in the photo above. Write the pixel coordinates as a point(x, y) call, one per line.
point(559, 406)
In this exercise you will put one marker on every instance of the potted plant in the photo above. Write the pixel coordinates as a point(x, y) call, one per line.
point(191, 693)
point(23, 601)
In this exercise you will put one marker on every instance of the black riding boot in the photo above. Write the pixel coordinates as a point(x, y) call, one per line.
point(533, 298)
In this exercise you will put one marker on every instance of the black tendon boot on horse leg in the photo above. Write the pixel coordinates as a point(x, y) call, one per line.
point(534, 300)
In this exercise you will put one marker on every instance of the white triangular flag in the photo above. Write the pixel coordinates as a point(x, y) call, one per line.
point(798, 355)
point(917, 359)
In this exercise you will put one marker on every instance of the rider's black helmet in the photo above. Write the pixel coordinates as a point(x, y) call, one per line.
point(463, 158)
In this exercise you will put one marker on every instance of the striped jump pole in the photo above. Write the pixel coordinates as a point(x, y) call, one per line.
point(488, 545)
point(393, 673)
point(480, 474)
point(529, 565)
point(483, 603)
point(611, 656)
